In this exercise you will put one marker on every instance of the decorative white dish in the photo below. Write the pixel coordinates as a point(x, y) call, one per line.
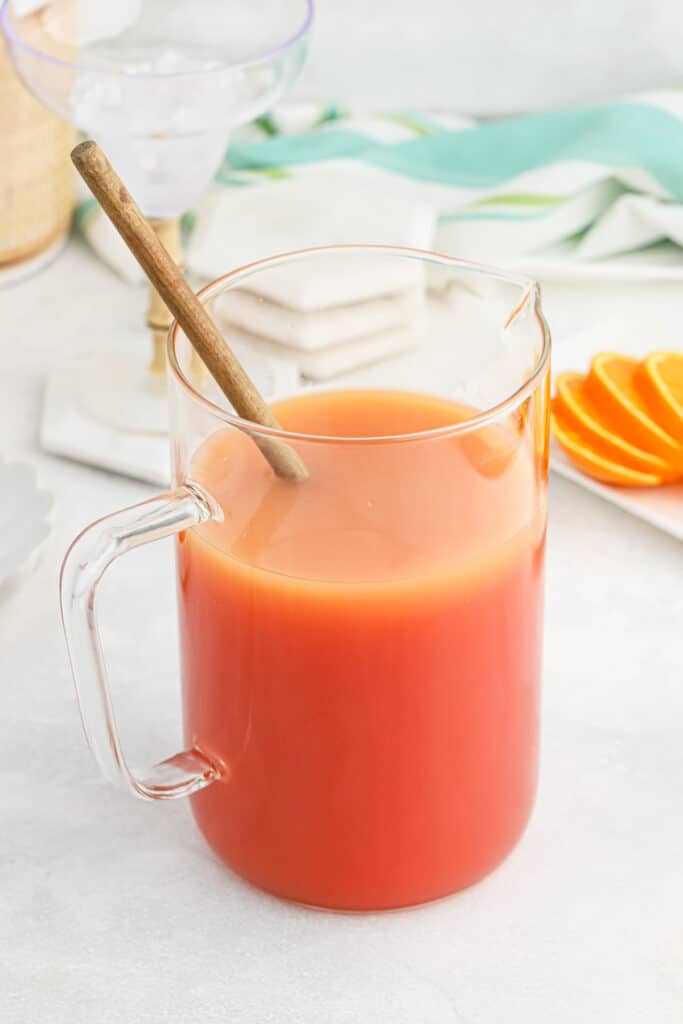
point(15, 272)
point(25, 521)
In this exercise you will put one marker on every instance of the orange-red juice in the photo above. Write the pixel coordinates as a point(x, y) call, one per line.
point(361, 652)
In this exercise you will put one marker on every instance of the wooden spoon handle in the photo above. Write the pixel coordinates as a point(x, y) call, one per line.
point(234, 382)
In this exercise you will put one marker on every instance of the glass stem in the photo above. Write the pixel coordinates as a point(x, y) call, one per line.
point(159, 318)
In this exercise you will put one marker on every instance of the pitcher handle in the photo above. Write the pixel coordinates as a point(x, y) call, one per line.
point(86, 561)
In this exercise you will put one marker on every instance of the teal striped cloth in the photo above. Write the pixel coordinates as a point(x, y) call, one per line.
point(598, 180)
point(486, 156)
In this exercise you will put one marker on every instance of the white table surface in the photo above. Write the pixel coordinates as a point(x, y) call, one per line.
point(489, 58)
point(114, 912)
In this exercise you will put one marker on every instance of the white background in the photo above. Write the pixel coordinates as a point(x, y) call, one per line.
point(115, 912)
point(491, 56)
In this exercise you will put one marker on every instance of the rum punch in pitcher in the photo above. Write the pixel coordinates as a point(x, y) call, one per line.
point(360, 651)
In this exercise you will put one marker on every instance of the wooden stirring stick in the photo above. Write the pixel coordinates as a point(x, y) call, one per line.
point(207, 340)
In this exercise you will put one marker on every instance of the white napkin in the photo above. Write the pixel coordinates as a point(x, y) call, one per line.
point(632, 221)
point(238, 226)
point(502, 190)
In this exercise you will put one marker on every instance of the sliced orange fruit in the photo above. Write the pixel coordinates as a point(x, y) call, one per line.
point(659, 379)
point(584, 415)
point(612, 386)
point(584, 455)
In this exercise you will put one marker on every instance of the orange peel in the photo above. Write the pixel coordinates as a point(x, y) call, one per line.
point(612, 385)
point(579, 411)
point(659, 379)
point(595, 465)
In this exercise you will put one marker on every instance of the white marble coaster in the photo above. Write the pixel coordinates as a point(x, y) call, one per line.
point(70, 428)
point(67, 429)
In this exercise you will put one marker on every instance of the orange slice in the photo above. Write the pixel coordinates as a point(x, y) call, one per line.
point(593, 464)
point(585, 416)
point(611, 385)
point(660, 381)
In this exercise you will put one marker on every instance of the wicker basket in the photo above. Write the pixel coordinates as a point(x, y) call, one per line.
point(36, 177)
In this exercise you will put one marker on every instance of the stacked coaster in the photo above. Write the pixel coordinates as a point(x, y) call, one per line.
point(327, 315)
point(321, 335)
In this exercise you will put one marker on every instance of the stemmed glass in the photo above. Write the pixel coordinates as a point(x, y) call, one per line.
point(160, 84)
